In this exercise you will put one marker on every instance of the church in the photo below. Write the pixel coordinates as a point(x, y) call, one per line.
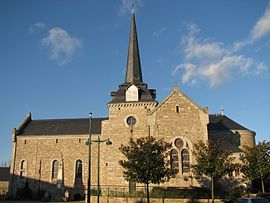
point(51, 156)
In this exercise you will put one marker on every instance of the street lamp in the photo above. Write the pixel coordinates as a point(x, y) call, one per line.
point(108, 142)
point(89, 159)
point(89, 143)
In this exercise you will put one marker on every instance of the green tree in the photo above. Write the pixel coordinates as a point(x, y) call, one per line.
point(146, 161)
point(256, 162)
point(211, 161)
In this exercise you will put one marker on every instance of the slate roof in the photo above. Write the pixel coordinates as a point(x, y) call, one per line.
point(145, 94)
point(80, 126)
point(221, 127)
point(218, 122)
point(77, 126)
point(4, 173)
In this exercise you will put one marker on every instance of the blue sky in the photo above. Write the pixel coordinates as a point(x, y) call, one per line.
point(61, 59)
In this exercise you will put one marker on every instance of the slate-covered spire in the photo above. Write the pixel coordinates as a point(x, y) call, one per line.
point(133, 70)
point(133, 74)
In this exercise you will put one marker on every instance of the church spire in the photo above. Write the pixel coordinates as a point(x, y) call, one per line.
point(133, 69)
point(133, 89)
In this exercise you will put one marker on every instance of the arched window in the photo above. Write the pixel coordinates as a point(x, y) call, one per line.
point(23, 169)
point(174, 161)
point(78, 170)
point(55, 167)
point(185, 161)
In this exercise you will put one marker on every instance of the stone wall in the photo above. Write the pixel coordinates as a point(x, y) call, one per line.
point(39, 152)
point(178, 117)
point(118, 130)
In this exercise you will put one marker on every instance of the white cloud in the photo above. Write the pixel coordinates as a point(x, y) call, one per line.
point(261, 68)
point(192, 28)
point(158, 33)
point(209, 60)
point(262, 26)
point(126, 6)
point(221, 71)
point(62, 45)
point(260, 29)
point(37, 26)
point(200, 48)
point(241, 44)
point(176, 69)
point(206, 50)
point(190, 71)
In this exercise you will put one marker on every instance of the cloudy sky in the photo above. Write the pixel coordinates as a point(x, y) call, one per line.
point(61, 59)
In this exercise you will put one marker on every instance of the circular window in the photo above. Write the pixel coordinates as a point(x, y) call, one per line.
point(179, 143)
point(131, 121)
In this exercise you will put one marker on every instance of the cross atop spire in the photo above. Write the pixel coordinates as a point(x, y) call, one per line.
point(133, 70)
point(133, 6)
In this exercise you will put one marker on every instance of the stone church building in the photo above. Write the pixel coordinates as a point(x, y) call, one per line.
point(52, 155)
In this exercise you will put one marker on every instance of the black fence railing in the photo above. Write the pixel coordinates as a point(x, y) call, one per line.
point(155, 192)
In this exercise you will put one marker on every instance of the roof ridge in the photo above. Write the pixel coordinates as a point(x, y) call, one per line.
point(54, 119)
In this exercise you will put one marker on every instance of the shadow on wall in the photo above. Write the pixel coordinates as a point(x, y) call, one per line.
point(230, 140)
point(32, 189)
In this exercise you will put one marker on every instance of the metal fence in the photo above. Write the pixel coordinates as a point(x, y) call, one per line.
point(155, 192)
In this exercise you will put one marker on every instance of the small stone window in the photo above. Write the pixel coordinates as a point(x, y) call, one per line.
point(131, 121)
point(78, 171)
point(22, 169)
point(55, 168)
point(177, 109)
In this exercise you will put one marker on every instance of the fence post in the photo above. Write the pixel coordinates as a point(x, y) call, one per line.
point(163, 195)
point(108, 195)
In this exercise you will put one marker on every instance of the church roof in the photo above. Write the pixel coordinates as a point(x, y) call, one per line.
point(145, 94)
point(76, 126)
point(221, 127)
point(219, 122)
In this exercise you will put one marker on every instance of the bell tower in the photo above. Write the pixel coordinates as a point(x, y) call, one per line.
point(128, 108)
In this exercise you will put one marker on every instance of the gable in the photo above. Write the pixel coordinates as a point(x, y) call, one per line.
point(178, 116)
point(179, 102)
